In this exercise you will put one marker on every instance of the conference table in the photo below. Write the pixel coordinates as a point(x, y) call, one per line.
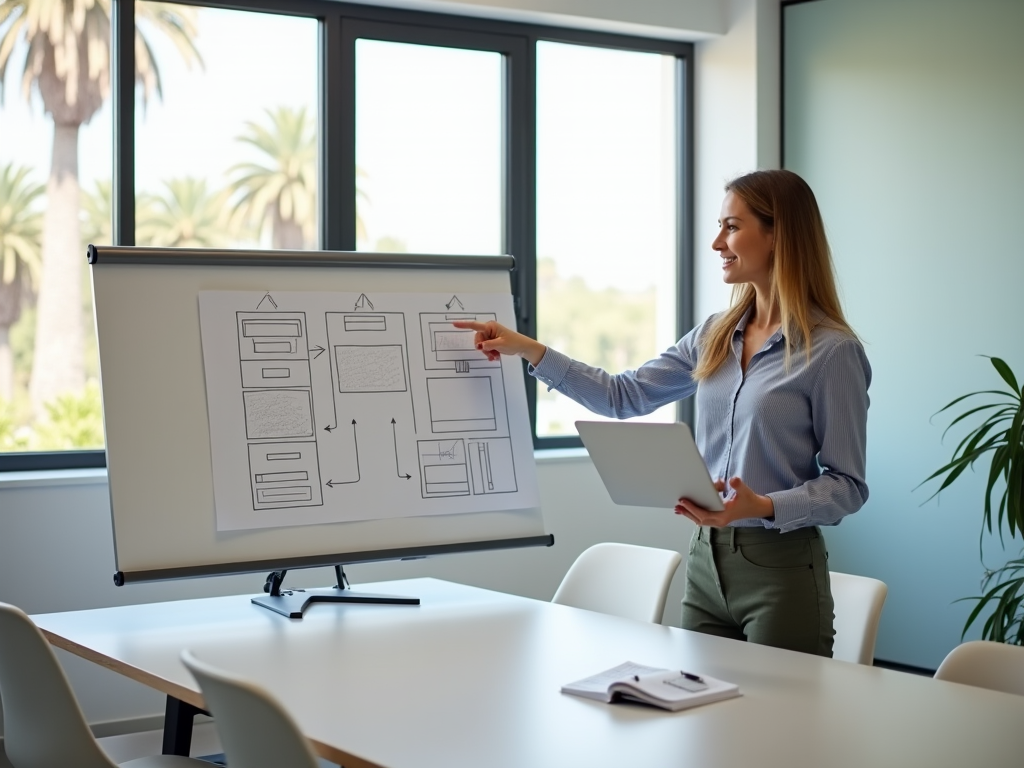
point(470, 678)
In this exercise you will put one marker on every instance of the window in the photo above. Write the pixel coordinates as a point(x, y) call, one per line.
point(428, 148)
point(314, 124)
point(54, 198)
point(225, 134)
point(606, 213)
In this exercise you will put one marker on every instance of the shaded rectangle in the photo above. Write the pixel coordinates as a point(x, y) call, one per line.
point(281, 477)
point(276, 373)
point(365, 323)
point(284, 456)
point(278, 495)
point(272, 347)
point(277, 413)
point(271, 328)
point(441, 473)
point(370, 368)
point(452, 340)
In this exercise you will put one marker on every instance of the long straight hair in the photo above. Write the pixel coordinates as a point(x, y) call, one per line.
point(801, 277)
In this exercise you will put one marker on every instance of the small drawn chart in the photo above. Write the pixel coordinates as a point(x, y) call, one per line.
point(333, 407)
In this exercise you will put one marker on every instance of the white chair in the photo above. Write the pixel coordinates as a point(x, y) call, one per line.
point(620, 579)
point(43, 724)
point(858, 601)
point(254, 729)
point(986, 665)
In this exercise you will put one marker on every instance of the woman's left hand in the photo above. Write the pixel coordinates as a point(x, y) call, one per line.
point(742, 504)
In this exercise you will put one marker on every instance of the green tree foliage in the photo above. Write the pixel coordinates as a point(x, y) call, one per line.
point(21, 234)
point(67, 62)
point(609, 328)
point(75, 421)
point(186, 215)
point(98, 214)
point(281, 191)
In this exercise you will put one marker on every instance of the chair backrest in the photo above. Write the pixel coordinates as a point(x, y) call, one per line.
point(858, 601)
point(43, 724)
point(985, 664)
point(620, 579)
point(254, 729)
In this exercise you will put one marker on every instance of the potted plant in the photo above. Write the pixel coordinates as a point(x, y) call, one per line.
point(996, 445)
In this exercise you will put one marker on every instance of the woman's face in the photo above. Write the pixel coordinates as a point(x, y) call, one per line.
point(744, 244)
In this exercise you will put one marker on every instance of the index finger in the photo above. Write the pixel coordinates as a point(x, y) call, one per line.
point(473, 325)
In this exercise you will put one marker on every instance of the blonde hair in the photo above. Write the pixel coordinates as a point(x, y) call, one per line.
point(802, 274)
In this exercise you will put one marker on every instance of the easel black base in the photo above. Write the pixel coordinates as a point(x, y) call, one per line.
point(293, 603)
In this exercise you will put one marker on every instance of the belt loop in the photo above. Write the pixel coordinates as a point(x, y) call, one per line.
point(732, 538)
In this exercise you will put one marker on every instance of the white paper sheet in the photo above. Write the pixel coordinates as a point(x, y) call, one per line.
point(333, 407)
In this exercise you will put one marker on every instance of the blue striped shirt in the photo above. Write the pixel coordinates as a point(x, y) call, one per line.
point(798, 436)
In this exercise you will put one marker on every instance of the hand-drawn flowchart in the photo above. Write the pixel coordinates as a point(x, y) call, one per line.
point(334, 407)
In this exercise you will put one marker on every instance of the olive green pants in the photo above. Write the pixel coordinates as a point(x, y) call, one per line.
point(762, 586)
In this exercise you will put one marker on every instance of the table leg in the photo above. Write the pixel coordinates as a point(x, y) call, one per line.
point(178, 719)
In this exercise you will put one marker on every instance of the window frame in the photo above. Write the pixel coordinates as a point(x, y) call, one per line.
point(340, 24)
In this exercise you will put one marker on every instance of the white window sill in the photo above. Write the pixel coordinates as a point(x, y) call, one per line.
point(55, 477)
point(52, 477)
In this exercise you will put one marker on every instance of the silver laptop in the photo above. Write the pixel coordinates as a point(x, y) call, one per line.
point(649, 465)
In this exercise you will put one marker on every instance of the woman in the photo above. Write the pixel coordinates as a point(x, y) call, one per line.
point(781, 384)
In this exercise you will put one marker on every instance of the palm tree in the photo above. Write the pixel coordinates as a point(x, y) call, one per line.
point(21, 234)
point(67, 61)
point(187, 215)
point(282, 191)
point(98, 214)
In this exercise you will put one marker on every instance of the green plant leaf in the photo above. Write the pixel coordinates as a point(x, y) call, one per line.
point(1006, 409)
point(1004, 370)
point(975, 394)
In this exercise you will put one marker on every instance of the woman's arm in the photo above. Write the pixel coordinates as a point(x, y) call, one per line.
point(657, 382)
point(839, 415)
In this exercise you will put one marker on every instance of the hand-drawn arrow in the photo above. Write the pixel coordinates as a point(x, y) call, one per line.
point(319, 351)
point(394, 433)
point(355, 440)
point(267, 297)
point(455, 300)
point(362, 302)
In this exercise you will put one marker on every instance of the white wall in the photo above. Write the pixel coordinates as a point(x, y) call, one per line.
point(55, 539)
point(671, 19)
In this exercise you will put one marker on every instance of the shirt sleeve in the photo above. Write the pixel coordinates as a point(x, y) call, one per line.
point(839, 414)
point(660, 381)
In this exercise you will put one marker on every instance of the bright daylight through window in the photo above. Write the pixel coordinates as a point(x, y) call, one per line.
point(428, 149)
point(451, 135)
point(606, 213)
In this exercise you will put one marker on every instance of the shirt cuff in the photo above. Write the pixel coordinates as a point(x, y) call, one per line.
point(552, 369)
point(792, 509)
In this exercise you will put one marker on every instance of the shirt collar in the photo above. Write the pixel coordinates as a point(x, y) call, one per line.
point(816, 316)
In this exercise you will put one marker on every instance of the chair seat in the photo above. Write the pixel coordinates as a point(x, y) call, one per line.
point(620, 579)
point(985, 664)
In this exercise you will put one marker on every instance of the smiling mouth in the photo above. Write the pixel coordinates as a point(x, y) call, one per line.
point(728, 260)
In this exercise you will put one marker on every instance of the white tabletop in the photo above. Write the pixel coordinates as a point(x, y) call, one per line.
point(471, 678)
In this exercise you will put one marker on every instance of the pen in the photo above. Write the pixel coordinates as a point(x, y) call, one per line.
point(694, 678)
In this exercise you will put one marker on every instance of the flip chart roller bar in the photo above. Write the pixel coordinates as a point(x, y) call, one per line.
point(317, 561)
point(121, 254)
